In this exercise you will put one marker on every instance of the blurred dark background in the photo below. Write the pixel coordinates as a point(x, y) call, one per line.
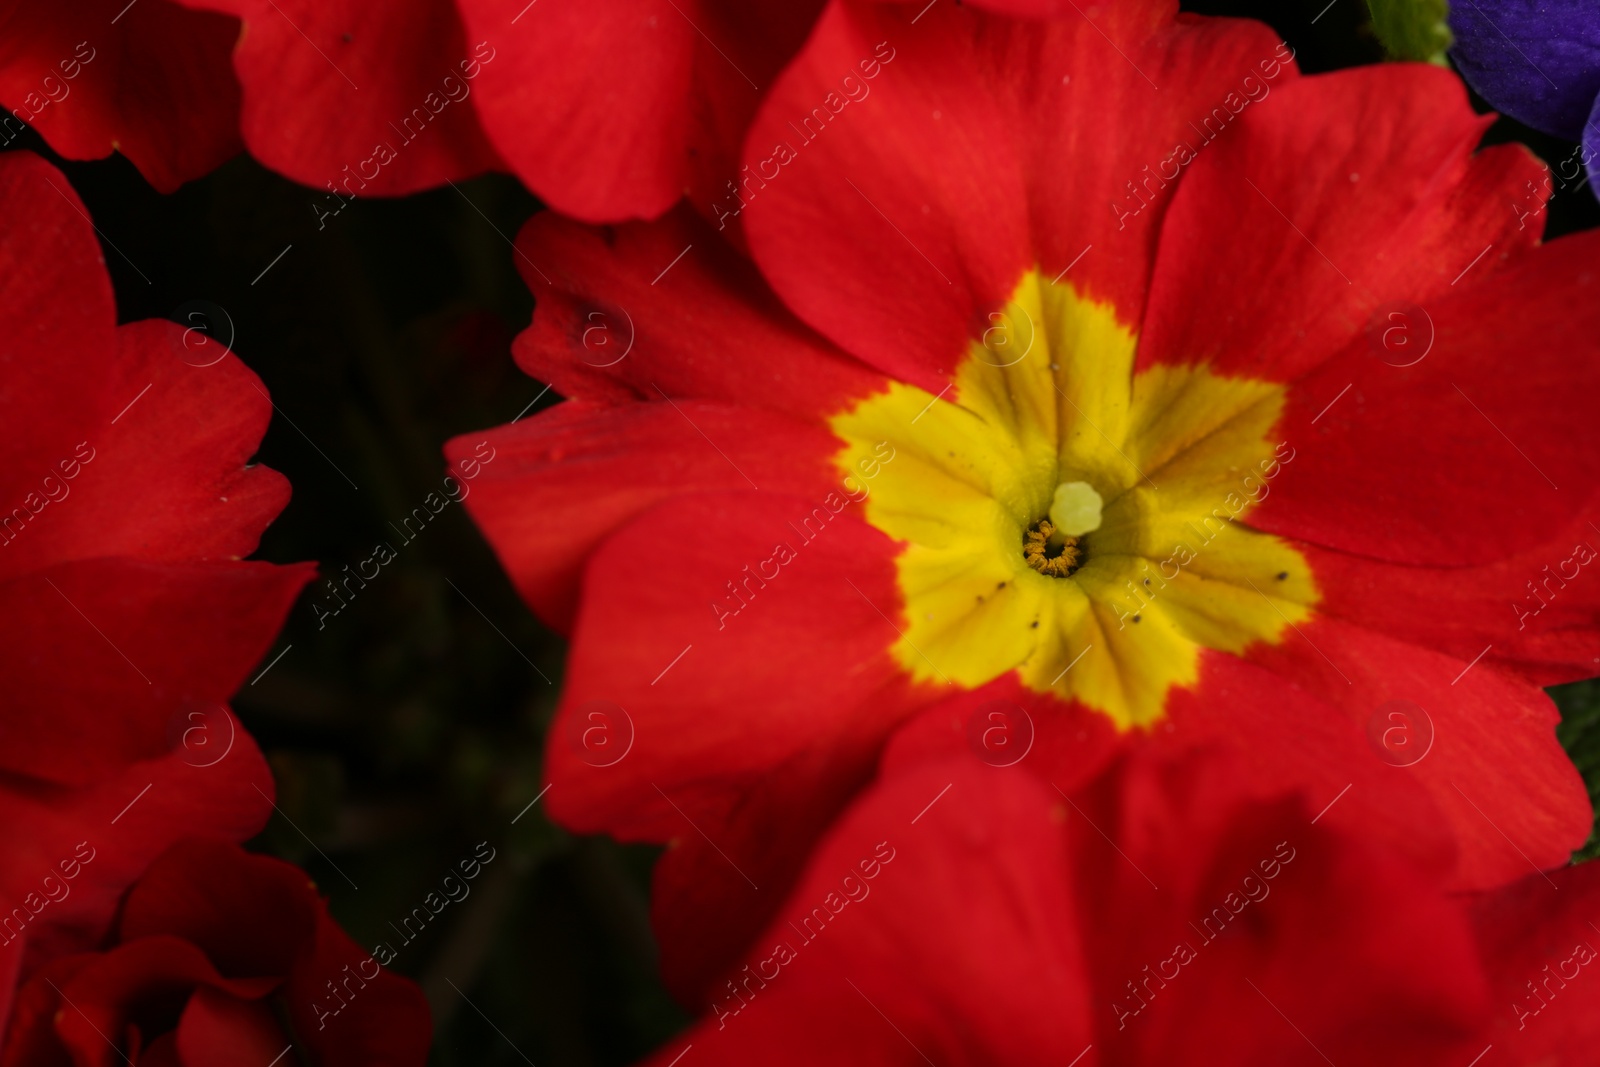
point(408, 728)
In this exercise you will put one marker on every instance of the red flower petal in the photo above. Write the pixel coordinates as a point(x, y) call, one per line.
point(564, 480)
point(95, 403)
point(200, 889)
point(213, 930)
point(202, 501)
point(121, 825)
point(1453, 460)
point(674, 297)
point(1483, 795)
point(986, 146)
point(345, 1008)
point(1429, 464)
point(613, 110)
point(120, 652)
point(327, 84)
point(97, 411)
point(1530, 614)
point(1363, 188)
point(718, 884)
point(1348, 941)
point(912, 940)
point(1355, 948)
point(633, 738)
point(1486, 751)
point(713, 690)
point(644, 309)
point(30, 1039)
point(96, 400)
point(123, 553)
point(1279, 738)
point(58, 300)
point(107, 995)
point(1540, 942)
point(150, 80)
point(218, 1030)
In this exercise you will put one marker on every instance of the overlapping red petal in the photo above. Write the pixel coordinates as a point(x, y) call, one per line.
point(987, 146)
point(1539, 937)
point(150, 80)
point(616, 110)
point(634, 329)
point(214, 946)
point(1155, 914)
point(365, 99)
point(607, 110)
point(121, 546)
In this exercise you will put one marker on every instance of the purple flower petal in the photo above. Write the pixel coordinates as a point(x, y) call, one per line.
point(1535, 60)
point(1589, 149)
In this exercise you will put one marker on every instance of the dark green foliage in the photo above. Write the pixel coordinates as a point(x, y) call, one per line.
point(1580, 735)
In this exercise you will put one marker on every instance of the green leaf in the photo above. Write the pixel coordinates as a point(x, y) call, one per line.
point(1412, 29)
point(1579, 732)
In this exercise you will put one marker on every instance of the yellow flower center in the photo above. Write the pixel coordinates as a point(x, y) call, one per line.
point(1053, 450)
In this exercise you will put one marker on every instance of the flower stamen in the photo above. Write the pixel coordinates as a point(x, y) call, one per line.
point(1056, 560)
